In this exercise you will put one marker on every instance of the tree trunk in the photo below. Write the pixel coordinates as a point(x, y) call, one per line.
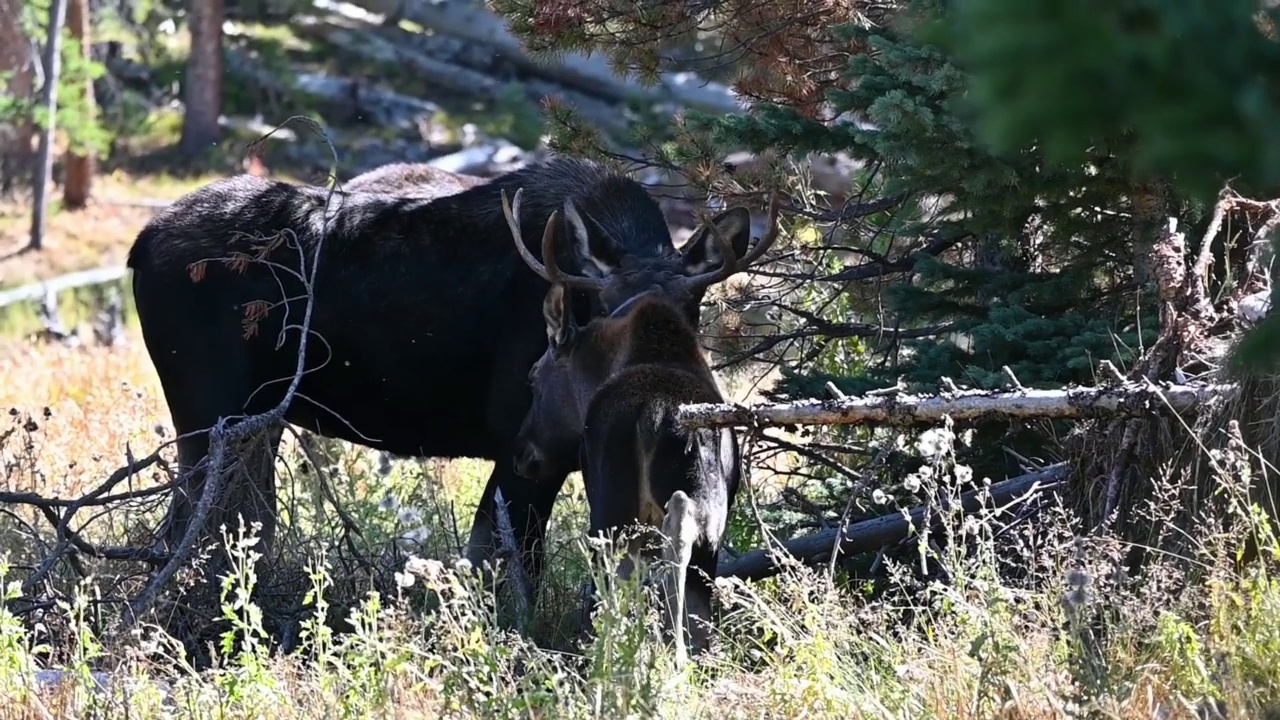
point(203, 91)
point(17, 62)
point(79, 173)
point(44, 164)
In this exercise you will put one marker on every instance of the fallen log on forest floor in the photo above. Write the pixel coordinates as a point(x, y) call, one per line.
point(447, 70)
point(84, 278)
point(900, 409)
point(590, 74)
point(871, 535)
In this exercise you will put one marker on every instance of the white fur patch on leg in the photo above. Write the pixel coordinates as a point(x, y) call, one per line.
point(679, 530)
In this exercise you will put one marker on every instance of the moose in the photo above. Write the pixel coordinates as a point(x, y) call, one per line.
point(615, 383)
point(411, 180)
point(424, 320)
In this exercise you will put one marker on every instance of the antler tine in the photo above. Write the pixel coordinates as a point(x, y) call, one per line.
point(549, 270)
point(512, 213)
point(770, 235)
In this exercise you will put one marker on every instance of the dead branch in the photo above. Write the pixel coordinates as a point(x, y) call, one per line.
point(871, 535)
point(67, 538)
point(224, 434)
point(1130, 399)
point(515, 567)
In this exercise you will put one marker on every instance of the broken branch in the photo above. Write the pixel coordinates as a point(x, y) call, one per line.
point(1131, 399)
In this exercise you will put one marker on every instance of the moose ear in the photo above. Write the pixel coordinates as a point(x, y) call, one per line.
point(593, 250)
point(701, 253)
point(556, 310)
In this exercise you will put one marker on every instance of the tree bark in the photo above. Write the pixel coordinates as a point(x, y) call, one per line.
point(202, 93)
point(79, 173)
point(1130, 399)
point(44, 164)
point(17, 61)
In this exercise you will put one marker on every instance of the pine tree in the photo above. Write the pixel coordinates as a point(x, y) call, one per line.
point(1030, 262)
point(1191, 82)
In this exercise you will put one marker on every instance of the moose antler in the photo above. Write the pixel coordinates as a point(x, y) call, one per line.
point(551, 270)
point(730, 263)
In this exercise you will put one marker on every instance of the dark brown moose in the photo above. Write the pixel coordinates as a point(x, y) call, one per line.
point(616, 383)
point(425, 321)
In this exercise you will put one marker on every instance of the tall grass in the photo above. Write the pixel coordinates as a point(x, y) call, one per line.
point(981, 622)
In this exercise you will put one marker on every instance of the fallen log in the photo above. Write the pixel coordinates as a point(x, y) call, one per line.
point(84, 278)
point(360, 99)
point(484, 160)
point(1127, 399)
point(871, 535)
point(445, 69)
point(591, 74)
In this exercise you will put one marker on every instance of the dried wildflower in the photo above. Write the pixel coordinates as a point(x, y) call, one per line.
point(935, 442)
point(388, 503)
point(409, 516)
point(426, 569)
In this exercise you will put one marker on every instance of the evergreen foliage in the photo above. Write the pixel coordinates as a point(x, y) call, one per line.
point(1043, 282)
point(1030, 247)
point(1193, 83)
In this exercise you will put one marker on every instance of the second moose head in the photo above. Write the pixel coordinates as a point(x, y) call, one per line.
point(614, 385)
point(610, 277)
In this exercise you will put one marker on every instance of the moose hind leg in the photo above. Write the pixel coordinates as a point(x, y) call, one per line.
point(182, 503)
point(249, 490)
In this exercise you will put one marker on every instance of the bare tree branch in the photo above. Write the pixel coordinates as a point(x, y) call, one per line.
point(1130, 399)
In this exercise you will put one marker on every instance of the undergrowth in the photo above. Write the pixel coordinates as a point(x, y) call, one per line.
point(949, 631)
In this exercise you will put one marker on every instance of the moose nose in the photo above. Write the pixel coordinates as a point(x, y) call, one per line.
point(528, 462)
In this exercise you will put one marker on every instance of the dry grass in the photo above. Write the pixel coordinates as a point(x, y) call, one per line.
point(96, 236)
point(100, 401)
point(975, 646)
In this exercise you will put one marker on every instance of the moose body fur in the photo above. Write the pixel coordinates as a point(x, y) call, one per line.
point(412, 180)
point(425, 320)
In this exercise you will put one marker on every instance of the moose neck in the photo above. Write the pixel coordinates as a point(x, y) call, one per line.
point(655, 332)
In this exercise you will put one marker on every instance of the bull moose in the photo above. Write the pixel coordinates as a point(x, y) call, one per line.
point(425, 321)
point(616, 383)
point(411, 180)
